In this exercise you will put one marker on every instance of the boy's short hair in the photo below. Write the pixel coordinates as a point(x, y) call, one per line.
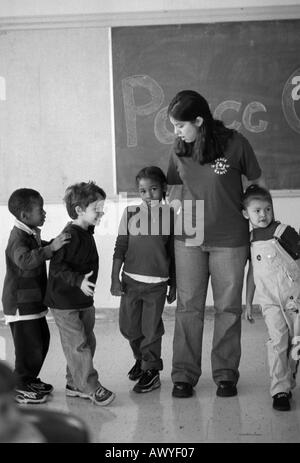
point(256, 192)
point(22, 200)
point(81, 194)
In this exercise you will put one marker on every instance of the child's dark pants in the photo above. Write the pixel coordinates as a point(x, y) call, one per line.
point(31, 340)
point(140, 320)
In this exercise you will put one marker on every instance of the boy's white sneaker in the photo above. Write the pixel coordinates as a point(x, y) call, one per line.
point(101, 396)
point(73, 392)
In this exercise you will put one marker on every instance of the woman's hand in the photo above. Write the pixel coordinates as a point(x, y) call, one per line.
point(248, 314)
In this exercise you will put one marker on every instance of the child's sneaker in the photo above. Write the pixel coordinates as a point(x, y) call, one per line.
point(74, 392)
point(26, 395)
point(281, 401)
point(102, 396)
point(39, 386)
point(148, 381)
point(136, 371)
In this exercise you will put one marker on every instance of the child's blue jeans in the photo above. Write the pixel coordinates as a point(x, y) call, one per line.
point(79, 343)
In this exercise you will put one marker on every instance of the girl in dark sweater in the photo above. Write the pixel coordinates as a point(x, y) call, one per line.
point(144, 248)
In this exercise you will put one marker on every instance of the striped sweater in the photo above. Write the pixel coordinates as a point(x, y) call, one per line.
point(26, 275)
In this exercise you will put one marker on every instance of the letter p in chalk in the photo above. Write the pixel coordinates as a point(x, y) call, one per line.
point(130, 107)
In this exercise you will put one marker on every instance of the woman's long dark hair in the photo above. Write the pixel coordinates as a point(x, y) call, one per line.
point(213, 136)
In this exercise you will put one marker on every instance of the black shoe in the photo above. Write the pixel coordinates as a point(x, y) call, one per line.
point(226, 389)
point(281, 401)
point(26, 395)
point(148, 381)
point(136, 371)
point(39, 386)
point(182, 390)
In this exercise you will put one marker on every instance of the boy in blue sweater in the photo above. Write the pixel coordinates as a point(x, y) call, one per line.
point(70, 292)
point(24, 290)
point(144, 247)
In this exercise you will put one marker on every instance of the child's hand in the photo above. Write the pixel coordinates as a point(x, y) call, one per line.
point(248, 314)
point(171, 296)
point(60, 241)
point(87, 287)
point(116, 288)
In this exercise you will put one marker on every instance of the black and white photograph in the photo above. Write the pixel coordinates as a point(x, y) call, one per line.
point(150, 225)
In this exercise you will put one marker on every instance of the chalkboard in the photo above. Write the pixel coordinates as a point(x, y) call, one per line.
point(248, 71)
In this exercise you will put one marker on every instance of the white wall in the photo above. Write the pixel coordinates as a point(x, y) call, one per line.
point(55, 122)
point(20, 8)
point(286, 208)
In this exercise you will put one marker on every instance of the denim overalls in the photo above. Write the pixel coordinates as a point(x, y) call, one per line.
point(277, 280)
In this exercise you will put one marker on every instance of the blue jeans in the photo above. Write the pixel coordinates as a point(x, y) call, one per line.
point(79, 343)
point(194, 266)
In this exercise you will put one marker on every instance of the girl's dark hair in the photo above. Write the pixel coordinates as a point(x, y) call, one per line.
point(81, 194)
point(213, 136)
point(22, 200)
point(256, 192)
point(153, 173)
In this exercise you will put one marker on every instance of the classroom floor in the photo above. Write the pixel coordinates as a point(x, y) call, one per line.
point(156, 417)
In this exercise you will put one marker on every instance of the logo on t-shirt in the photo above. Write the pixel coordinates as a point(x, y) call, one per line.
point(220, 166)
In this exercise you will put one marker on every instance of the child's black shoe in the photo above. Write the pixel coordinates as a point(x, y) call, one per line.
point(148, 381)
point(26, 395)
point(39, 386)
point(281, 401)
point(136, 371)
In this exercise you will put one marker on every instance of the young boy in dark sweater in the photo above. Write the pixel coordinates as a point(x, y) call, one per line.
point(70, 292)
point(24, 290)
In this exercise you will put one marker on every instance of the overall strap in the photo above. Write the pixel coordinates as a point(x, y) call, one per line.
point(279, 230)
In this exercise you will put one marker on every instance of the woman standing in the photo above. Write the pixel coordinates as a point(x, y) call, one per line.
point(209, 160)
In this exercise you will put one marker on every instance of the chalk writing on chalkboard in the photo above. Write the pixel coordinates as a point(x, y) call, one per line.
point(290, 94)
point(132, 111)
point(248, 71)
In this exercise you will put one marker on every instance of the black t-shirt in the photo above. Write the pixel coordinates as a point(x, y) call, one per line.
point(219, 184)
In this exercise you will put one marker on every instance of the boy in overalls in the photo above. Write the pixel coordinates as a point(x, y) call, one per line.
point(274, 271)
